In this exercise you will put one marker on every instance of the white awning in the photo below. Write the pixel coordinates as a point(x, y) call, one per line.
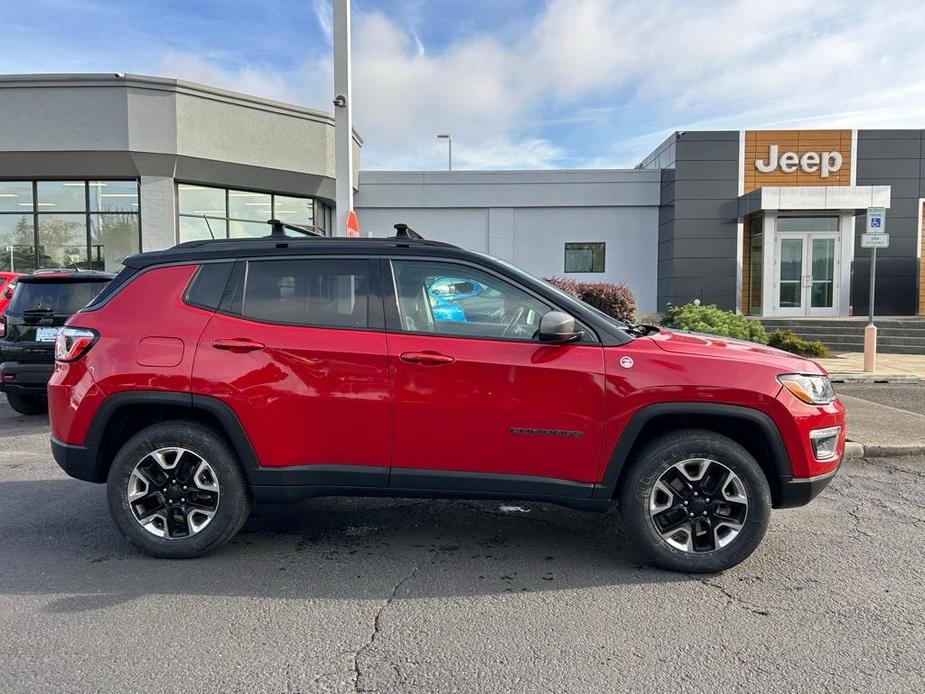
point(810, 198)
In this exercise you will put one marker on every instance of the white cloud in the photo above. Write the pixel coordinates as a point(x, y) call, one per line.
point(324, 16)
point(599, 64)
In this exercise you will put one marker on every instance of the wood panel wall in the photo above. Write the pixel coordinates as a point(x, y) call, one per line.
point(922, 267)
point(746, 263)
point(758, 142)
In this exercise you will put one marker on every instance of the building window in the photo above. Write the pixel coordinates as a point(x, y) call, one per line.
point(76, 224)
point(207, 212)
point(584, 257)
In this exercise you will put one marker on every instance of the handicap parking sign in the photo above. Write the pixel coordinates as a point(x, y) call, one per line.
point(876, 220)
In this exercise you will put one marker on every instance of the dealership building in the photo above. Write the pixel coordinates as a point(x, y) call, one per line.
point(769, 222)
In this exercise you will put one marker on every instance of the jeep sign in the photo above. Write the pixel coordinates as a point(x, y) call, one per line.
point(826, 163)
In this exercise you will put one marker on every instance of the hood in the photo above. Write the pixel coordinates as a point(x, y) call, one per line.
point(681, 342)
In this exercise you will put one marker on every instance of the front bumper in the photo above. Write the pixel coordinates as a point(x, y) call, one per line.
point(799, 491)
point(80, 462)
point(25, 377)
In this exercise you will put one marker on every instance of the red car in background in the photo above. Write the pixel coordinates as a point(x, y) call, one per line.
point(7, 285)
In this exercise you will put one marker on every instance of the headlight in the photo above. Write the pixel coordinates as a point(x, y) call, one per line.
point(813, 390)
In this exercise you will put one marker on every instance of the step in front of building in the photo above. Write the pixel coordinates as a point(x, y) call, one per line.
point(894, 335)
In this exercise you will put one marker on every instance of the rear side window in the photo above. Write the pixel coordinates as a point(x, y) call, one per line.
point(61, 298)
point(125, 274)
point(208, 285)
point(320, 292)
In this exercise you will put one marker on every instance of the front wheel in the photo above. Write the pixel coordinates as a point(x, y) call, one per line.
point(695, 501)
point(176, 490)
point(28, 404)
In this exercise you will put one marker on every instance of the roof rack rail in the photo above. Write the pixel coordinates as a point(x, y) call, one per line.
point(278, 229)
point(403, 231)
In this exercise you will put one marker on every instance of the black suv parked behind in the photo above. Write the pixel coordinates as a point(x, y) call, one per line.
point(41, 304)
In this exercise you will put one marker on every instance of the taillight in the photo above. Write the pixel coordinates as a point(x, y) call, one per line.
point(2, 326)
point(72, 343)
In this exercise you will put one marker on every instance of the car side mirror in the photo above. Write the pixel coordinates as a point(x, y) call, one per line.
point(559, 327)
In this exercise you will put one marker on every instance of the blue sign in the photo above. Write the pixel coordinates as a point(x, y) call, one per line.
point(875, 222)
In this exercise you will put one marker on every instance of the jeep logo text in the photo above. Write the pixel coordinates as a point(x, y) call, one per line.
point(826, 163)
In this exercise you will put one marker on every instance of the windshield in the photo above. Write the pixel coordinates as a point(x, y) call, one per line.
point(566, 298)
point(62, 298)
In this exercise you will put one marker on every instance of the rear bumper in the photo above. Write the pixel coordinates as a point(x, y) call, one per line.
point(800, 491)
point(25, 377)
point(80, 462)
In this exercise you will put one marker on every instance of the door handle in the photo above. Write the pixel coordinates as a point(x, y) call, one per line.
point(426, 358)
point(238, 344)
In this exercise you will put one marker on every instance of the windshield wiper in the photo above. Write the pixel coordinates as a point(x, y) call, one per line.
point(639, 329)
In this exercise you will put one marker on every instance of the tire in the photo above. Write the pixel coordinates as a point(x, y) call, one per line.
point(176, 527)
point(28, 404)
point(708, 541)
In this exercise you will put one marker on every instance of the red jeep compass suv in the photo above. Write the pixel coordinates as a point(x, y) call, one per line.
point(217, 373)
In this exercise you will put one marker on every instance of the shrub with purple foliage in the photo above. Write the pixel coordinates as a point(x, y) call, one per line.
point(615, 300)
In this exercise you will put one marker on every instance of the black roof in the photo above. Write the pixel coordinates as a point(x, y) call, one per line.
point(215, 249)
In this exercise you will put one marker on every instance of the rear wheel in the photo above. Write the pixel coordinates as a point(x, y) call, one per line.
point(28, 404)
point(695, 501)
point(176, 490)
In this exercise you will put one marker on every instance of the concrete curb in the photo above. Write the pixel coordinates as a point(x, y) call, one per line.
point(855, 450)
point(874, 378)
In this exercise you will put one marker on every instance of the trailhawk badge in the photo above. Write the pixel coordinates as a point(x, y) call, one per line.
point(626, 362)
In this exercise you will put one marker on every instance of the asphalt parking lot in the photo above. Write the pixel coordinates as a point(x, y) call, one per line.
point(350, 595)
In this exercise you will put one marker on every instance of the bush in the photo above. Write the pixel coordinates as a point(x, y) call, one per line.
point(570, 287)
point(714, 321)
point(789, 341)
point(615, 300)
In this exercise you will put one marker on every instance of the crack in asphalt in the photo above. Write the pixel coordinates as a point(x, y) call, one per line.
point(732, 598)
point(858, 521)
point(357, 670)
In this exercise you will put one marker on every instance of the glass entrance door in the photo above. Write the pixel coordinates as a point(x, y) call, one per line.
point(807, 278)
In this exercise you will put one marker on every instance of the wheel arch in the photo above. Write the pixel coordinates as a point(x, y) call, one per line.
point(751, 428)
point(122, 415)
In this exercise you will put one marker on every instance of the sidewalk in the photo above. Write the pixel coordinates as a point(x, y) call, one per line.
point(877, 429)
point(891, 368)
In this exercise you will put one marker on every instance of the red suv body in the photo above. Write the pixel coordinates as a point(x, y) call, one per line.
point(277, 370)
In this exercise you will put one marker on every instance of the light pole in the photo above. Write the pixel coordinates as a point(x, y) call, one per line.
point(449, 142)
point(343, 117)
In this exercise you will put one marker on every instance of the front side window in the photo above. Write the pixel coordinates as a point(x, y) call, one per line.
point(453, 299)
point(317, 292)
point(584, 257)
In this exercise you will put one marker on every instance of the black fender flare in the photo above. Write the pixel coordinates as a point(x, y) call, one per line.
point(221, 412)
point(779, 458)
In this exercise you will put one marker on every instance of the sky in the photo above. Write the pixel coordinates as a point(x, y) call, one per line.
point(520, 84)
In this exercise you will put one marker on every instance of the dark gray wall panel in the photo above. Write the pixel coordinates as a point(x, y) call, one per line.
point(707, 150)
point(699, 190)
point(871, 171)
point(723, 170)
point(706, 229)
point(726, 210)
point(896, 148)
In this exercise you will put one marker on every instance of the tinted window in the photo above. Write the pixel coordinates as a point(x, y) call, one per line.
point(123, 276)
point(322, 292)
point(453, 299)
point(63, 298)
point(208, 285)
